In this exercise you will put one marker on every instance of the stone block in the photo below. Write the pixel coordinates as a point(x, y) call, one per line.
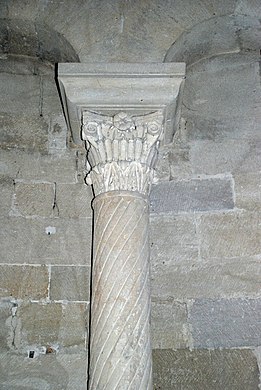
point(192, 195)
point(34, 199)
point(46, 240)
point(6, 190)
point(61, 325)
point(225, 156)
point(24, 281)
point(34, 166)
point(219, 278)
point(70, 283)
point(214, 95)
point(50, 371)
point(248, 191)
point(23, 132)
point(25, 89)
point(169, 325)
point(5, 313)
point(226, 323)
point(230, 235)
point(179, 233)
point(205, 369)
point(74, 200)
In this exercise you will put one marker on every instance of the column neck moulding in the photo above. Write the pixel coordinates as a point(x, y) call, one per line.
point(123, 112)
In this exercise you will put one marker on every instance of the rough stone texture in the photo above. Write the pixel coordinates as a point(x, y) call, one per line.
point(225, 156)
point(20, 165)
point(230, 235)
point(5, 313)
point(24, 281)
point(47, 240)
point(169, 325)
point(205, 369)
point(248, 191)
point(237, 277)
point(74, 200)
point(226, 323)
point(64, 326)
point(192, 195)
point(32, 199)
point(6, 190)
point(180, 233)
point(70, 283)
point(50, 371)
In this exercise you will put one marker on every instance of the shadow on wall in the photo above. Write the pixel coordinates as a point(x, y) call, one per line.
point(24, 37)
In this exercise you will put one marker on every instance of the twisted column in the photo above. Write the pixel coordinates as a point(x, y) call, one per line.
point(122, 151)
point(120, 335)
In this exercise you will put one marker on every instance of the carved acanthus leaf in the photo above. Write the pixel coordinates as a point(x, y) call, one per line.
point(122, 150)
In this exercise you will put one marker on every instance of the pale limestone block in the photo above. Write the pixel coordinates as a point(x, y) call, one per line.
point(230, 235)
point(24, 281)
point(226, 323)
point(6, 191)
point(33, 199)
point(205, 369)
point(179, 233)
point(169, 325)
point(216, 278)
point(248, 191)
point(30, 167)
point(63, 326)
point(70, 283)
point(46, 240)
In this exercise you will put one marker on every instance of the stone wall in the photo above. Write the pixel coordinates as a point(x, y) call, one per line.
point(205, 207)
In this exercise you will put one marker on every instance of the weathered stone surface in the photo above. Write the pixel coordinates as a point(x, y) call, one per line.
point(248, 191)
point(23, 132)
point(34, 166)
point(19, 86)
point(61, 325)
point(57, 134)
point(180, 234)
point(237, 277)
point(214, 97)
point(230, 235)
point(5, 312)
point(205, 369)
point(51, 371)
point(169, 325)
point(30, 282)
point(225, 156)
point(33, 199)
point(70, 283)
point(192, 195)
point(226, 323)
point(6, 190)
point(74, 200)
point(46, 240)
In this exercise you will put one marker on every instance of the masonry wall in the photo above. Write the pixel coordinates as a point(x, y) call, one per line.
point(205, 207)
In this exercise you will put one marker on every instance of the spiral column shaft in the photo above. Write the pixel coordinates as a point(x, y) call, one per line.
point(120, 351)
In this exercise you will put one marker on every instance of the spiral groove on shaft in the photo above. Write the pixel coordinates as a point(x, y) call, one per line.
point(120, 336)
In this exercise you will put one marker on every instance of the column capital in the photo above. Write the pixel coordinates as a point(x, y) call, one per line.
point(123, 112)
point(122, 150)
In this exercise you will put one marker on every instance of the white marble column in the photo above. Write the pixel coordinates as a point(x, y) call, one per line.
point(125, 111)
point(122, 152)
